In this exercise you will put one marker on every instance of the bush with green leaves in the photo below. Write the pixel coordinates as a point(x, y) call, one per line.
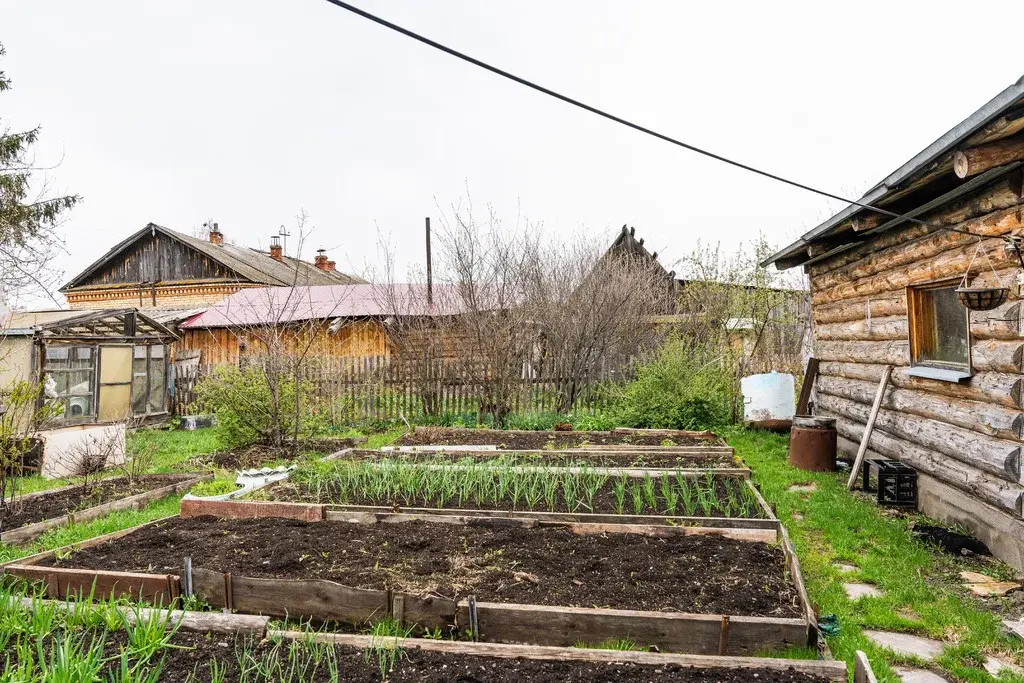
point(682, 388)
point(253, 406)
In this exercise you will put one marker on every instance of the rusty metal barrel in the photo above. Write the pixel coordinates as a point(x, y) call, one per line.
point(812, 443)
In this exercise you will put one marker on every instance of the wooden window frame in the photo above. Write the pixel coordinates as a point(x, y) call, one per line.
point(66, 420)
point(918, 328)
point(165, 360)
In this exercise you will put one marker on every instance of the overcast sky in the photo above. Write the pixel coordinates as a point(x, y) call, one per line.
point(246, 111)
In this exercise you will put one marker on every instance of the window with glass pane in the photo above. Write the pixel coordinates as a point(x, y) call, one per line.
point(73, 370)
point(149, 379)
point(939, 332)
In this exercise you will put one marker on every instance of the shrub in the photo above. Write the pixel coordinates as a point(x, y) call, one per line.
point(680, 389)
point(249, 411)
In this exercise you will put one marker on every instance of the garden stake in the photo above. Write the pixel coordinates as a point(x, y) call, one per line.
point(723, 636)
point(188, 577)
point(474, 626)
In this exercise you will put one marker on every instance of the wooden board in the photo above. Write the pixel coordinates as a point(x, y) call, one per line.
point(862, 672)
point(810, 374)
point(24, 534)
point(763, 530)
point(670, 631)
point(63, 582)
point(308, 598)
point(250, 509)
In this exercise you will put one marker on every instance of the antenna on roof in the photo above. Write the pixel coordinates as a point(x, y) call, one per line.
point(284, 234)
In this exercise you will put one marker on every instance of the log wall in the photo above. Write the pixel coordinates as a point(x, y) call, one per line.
point(967, 436)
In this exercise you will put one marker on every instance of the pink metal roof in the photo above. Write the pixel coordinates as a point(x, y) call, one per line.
point(273, 305)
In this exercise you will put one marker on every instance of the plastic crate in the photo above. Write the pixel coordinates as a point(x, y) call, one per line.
point(897, 483)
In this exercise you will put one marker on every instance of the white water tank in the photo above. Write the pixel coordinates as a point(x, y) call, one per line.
point(768, 398)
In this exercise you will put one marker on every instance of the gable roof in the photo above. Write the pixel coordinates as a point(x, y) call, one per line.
point(992, 121)
point(627, 244)
point(251, 265)
point(278, 305)
point(73, 323)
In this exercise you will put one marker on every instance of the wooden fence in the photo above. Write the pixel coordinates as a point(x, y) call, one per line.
point(389, 389)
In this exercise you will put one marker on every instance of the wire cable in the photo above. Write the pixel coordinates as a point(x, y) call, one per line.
point(629, 124)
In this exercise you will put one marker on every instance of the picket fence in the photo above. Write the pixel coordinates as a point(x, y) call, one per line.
point(389, 389)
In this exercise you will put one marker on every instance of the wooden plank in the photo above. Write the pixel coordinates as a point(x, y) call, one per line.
point(798, 580)
point(369, 514)
point(829, 670)
point(882, 384)
point(423, 611)
point(308, 598)
point(862, 672)
point(210, 586)
point(196, 622)
point(64, 582)
point(810, 374)
point(250, 509)
point(673, 631)
point(24, 534)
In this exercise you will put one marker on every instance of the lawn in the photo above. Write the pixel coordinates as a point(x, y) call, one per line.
point(921, 591)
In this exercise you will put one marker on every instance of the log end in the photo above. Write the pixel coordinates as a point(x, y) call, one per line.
point(961, 165)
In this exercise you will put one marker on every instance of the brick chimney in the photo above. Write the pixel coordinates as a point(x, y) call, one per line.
point(321, 259)
point(332, 266)
point(216, 236)
point(276, 251)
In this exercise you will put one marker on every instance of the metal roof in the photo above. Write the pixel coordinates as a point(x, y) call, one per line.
point(945, 144)
point(277, 305)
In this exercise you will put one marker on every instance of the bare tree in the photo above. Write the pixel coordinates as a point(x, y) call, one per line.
point(595, 312)
point(281, 333)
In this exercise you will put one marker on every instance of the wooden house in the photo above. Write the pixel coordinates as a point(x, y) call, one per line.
point(324, 322)
point(884, 292)
point(160, 268)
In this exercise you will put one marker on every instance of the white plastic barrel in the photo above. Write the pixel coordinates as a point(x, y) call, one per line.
point(768, 397)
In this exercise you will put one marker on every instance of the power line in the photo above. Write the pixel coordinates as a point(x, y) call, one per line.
point(629, 124)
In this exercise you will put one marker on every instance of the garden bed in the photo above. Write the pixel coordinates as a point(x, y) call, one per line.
point(506, 582)
point(253, 457)
point(529, 440)
point(401, 484)
point(58, 507)
point(648, 457)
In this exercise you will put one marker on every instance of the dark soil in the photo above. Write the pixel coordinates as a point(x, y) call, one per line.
point(951, 541)
point(638, 459)
point(728, 500)
point(548, 566)
point(190, 661)
point(522, 440)
point(254, 457)
point(59, 503)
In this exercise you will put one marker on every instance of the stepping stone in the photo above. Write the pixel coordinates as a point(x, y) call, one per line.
point(986, 586)
point(803, 488)
point(856, 591)
point(993, 666)
point(1014, 627)
point(906, 644)
point(918, 675)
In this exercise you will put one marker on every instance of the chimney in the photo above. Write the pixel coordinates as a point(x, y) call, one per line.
point(332, 266)
point(275, 248)
point(216, 236)
point(321, 259)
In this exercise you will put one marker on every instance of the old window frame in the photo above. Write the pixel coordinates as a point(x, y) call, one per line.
point(920, 328)
point(147, 378)
point(52, 369)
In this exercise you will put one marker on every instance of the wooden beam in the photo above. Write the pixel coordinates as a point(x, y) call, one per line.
point(875, 407)
point(805, 389)
point(975, 160)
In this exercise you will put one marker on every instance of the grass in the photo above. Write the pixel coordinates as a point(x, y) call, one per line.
point(75, 533)
point(173, 448)
point(921, 588)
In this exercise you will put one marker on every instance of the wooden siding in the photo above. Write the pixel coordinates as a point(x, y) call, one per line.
point(158, 258)
point(364, 338)
point(968, 435)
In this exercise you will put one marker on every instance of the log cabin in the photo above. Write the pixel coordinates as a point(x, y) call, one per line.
point(884, 276)
point(160, 268)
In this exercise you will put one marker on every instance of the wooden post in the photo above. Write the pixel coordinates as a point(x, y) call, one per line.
point(862, 672)
point(810, 374)
point(875, 407)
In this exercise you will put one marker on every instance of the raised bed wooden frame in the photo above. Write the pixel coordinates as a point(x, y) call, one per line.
point(258, 626)
point(501, 622)
point(23, 534)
